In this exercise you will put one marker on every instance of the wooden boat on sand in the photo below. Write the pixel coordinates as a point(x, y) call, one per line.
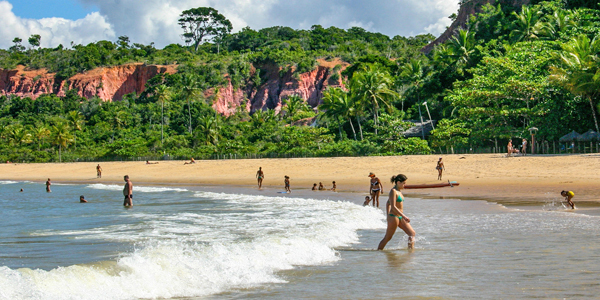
point(432, 185)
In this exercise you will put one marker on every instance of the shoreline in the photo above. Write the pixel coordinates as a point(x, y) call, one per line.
point(491, 177)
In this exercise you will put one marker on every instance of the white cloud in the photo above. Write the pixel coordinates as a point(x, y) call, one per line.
point(146, 21)
point(54, 31)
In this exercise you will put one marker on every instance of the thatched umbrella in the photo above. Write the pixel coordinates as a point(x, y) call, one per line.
point(589, 136)
point(570, 137)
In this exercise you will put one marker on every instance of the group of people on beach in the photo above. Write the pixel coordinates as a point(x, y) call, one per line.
point(510, 149)
point(260, 175)
point(321, 187)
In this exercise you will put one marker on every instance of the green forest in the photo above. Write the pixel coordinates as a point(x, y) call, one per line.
point(508, 70)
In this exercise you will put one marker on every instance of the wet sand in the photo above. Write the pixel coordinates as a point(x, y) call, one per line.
point(513, 180)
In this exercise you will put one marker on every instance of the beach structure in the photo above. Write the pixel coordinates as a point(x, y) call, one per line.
point(589, 136)
point(420, 129)
point(569, 137)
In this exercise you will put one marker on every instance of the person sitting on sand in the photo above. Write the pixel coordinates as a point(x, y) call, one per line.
point(367, 200)
point(98, 171)
point(260, 175)
point(395, 216)
point(568, 196)
point(48, 184)
point(128, 192)
point(151, 163)
point(82, 199)
point(286, 181)
point(192, 161)
point(375, 189)
point(321, 186)
point(314, 188)
point(334, 187)
point(440, 167)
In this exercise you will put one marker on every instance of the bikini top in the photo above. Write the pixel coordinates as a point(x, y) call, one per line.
point(375, 183)
point(400, 199)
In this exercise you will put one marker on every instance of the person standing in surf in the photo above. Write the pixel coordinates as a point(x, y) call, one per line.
point(375, 189)
point(395, 216)
point(128, 192)
point(286, 181)
point(259, 176)
point(568, 196)
point(440, 167)
point(48, 184)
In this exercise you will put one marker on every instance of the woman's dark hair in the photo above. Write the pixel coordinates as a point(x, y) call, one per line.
point(399, 177)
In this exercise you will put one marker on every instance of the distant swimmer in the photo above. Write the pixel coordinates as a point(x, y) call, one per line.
point(395, 216)
point(286, 181)
point(568, 196)
point(321, 187)
point(128, 191)
point(260, 175)
point(48, 184)
point(375, 189)
point(21, 190)
point(314, 188)
point(367, 200)
point(98, 171)
point(82, 199)
point(440, 168)
point(334, 187)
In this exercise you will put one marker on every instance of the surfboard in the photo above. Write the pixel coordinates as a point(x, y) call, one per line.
point(432, 185)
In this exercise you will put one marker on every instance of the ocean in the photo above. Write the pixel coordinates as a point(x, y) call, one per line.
point(241, 243)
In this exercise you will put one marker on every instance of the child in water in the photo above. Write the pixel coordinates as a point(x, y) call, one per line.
point(367, 200)
point(568, 196)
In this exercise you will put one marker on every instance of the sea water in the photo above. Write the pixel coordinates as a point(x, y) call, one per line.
point(211, 243)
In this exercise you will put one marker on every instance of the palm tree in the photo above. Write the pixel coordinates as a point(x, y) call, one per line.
point(526, 25)
point(337, 105)
point(76, 121)
point(40, 132)
point(462, 48)
point(189, 90)
point(414, 74)
point(373, 88)
point(579, 69)
point(209, 126)
point(18, 135)
point(559, 21)
point(61, 137)
point(163, 94)
point(293, 104)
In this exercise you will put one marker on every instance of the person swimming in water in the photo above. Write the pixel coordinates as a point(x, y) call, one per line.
point(314, 188)
point(82, 199)
point(395, 215)
point(568, 196)
point(375, 189)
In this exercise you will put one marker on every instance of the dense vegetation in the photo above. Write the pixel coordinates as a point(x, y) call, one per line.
point(509, 70)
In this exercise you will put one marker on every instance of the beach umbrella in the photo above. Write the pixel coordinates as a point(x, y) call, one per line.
point(572, 136)
point(590, 135)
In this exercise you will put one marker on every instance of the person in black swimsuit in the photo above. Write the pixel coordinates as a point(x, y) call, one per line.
point(375, 189)
point(259, 176)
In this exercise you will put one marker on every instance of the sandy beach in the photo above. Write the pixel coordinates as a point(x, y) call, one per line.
point(481, 176)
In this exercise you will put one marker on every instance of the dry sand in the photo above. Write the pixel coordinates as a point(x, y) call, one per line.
point(481, 176)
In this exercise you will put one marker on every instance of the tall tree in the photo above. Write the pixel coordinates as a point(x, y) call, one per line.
point(336, 104)
point(201, 22)
point(40, 132)
point(163, 95)
point(76, 121)
point(579, 69)
point(62, 137)
point(373, 87)
point(293, 104)
point(189, 90)
point(526, 26)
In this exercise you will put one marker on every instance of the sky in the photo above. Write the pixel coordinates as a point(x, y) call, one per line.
point(147, 21)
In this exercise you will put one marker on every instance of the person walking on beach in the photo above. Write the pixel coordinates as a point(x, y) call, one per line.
point(524, 147)
point(440, 167)
point(375, 189)
point(286, 181)
point(568, 196)
point(259, 176)
point(48, 184)
point(128, 192)
point(395, 216)
point(98, 171)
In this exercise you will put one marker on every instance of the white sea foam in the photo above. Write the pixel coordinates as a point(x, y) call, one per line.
point(136, 189)
point(242, 244)
point(8, 182)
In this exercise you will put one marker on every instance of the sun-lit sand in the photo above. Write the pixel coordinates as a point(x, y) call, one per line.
point(481, 176)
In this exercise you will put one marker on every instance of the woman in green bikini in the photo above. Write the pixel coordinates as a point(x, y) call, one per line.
point(395, 217)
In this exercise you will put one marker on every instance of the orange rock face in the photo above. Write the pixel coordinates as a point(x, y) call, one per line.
point(110, 84)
